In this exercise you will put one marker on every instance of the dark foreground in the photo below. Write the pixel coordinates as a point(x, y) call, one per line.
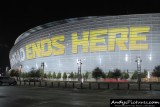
point(25, 96)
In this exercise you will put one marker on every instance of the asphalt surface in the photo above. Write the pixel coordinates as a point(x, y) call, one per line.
point(27, 96)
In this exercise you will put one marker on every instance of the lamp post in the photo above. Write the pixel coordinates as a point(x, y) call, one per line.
point(0, 72)
point(7, 70)
point(138, 60)
point(20, 72)
point(79, 69)
point(42, 65)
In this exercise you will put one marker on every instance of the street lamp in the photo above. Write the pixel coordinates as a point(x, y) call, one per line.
point(0, 72)
point(7, 70)
point(138, 60)
point(20, 72)
point(79, 69)
point(42, 65)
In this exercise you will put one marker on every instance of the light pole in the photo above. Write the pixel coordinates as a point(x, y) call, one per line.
point(138, 60)
point(42, 65)
point(7, 70)
point(0, 73)
point(79, 63)
point(20, 72)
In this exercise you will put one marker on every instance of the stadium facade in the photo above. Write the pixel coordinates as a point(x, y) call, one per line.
point(107, 42)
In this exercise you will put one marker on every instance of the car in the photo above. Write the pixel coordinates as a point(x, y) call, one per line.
point(8, 80)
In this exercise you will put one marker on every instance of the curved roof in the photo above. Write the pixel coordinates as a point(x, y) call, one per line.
point(47, 25)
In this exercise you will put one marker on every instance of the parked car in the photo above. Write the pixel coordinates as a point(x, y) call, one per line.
point(8, 80)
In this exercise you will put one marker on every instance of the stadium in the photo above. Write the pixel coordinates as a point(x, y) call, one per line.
point(107, 42)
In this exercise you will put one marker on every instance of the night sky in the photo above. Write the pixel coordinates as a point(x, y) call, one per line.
point(17, 17)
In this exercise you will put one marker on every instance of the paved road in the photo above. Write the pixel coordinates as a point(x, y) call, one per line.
point(25, 96)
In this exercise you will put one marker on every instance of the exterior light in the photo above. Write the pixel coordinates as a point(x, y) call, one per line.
point(126, 58)
point(100, 60)
point(150, 57)
point(36, 66)
point(45, 64)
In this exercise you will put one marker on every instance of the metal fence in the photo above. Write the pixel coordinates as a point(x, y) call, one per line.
point(145, 86)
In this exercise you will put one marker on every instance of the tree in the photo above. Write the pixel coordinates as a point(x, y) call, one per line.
point(71, 75)
point(45, 75)
point(117, 73)
point(110, 74)
point(97, 73)
point(25, 74)
point(49, 75)
point(144, 74)
point(59, 75)
point(14, 72)
point(75, 76)
point(156, 71)
point(38, 73)
point(32, 73)
point(86, 75)
point(135, 75)
point(125, 75)
point(103, 75)
point(54, 75)
point(64, 76)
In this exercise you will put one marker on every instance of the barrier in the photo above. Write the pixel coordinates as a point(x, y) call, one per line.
point(95, 85)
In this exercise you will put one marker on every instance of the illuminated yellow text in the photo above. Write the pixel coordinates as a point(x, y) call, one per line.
point(95, 40)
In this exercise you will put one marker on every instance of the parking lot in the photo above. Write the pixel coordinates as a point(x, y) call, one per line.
point(27, 96)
